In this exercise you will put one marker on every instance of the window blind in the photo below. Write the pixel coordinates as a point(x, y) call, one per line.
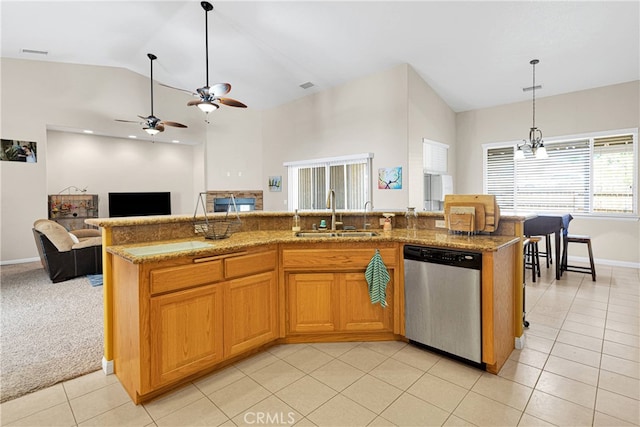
point(613, 174)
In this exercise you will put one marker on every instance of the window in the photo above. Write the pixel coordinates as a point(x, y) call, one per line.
point(593, 175)
point(311, 180)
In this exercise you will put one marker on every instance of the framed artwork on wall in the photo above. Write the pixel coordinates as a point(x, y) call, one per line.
point(390, 178)
point(275, 183)
point(14, 150)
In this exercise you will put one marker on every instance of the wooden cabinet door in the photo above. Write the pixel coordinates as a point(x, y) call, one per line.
point(356, 311)
point(250, 312)
point(313, 301)
point(186, 332)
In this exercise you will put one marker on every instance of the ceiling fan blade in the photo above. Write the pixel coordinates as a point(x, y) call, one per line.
point(174, 124)
point(160, 127)
point(194, 102)
point(231, 102)
point(190, 92)
point(219, 89)
point(126, 121)
point(145, 118)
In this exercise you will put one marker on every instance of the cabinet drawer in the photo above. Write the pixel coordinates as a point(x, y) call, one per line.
point(185, 276)
point(335, 258)
point(249, 264)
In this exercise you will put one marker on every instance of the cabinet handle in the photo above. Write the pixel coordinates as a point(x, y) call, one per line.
point(217, 257)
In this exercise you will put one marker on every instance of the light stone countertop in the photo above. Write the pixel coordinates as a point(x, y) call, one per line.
point(138, 253)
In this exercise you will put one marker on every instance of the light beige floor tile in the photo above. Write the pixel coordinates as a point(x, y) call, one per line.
point(343, 412)
point(337, 374)
point(98, 401)
point(58, 415)
point(622, 351)
point(619, 307)
point(417, 357)
point(584, 319)
point(483, 411)
point(408, 410)
point(622, 338)
point(173, 400)
point(305, 422)
point(529, 357)
point(618, 406)
point(574, 370)
point(624, 318)
point(255, 362)
point(308, 359)
point(441, 393)
point(335, 349)
point(540, 344)
point(388, 348)
point(580, 340)
point(577, 354)
point(520, 373)
point(620, 384)
point(283, 350)
point(219, 379)
point(558, 411)
point(542, 325)
point(502, 390)
point(128, 414)
point(528, 420)
point(363, 358)
point(270, 412)
point(631, 328)
point(396, 373)
point(29, 404)
point(277, 375)
point(456, 372)
point(88, 383)
point(306, 395)
point(580, 328)
point(372, 393)
point(202, 412)
point(617, 300)
point(381, 422)
point(238, 396)
point(567, 389)
point(620, 366)
point(454, 421)
point(589, 307)
point(604, 420)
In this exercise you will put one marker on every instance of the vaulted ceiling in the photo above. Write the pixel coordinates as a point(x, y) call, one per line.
point(474, 54)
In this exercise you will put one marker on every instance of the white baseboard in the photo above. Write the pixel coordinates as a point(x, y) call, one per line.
point(19, 261)
point(610, 262)
point(519, 343)
point(107, 366)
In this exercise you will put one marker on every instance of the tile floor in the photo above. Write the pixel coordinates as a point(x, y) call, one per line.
point(580, 367)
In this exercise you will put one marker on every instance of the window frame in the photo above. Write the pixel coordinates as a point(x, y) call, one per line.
point(591, 136)
point(328, 163)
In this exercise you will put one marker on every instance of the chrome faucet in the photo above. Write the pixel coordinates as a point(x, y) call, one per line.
point(331, 204)
point(365, 224)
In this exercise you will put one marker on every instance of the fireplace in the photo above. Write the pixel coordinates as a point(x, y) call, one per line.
point(246, 200)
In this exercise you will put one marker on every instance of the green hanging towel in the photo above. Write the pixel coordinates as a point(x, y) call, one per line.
point(377, 277)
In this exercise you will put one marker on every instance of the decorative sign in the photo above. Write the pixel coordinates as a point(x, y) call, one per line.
point(390, 178)
point(18, 151)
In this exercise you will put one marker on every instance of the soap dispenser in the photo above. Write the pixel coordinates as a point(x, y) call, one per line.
point(295, 225)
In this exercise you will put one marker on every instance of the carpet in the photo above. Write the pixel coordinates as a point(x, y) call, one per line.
point(49, 332)
point(95, 279)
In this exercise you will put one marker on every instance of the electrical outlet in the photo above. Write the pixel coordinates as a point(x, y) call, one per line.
point(440, 223)
point(381, 221)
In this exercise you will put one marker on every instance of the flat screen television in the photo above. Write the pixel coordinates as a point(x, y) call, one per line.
point(139, 204)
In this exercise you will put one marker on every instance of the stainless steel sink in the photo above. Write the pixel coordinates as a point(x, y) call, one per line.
point(327, 234)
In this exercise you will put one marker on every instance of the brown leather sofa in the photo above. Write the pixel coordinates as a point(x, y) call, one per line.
point(65, 254)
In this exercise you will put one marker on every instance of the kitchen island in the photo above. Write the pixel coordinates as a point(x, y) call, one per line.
point(179, 306)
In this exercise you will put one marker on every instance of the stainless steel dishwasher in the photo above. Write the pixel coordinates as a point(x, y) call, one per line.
point(442, 300)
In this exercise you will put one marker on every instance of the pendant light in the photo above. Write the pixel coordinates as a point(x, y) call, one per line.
point(535, 143)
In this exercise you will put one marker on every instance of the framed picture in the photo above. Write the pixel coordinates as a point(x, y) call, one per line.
point(14, 150)
point(275, 183)
point(390, 178)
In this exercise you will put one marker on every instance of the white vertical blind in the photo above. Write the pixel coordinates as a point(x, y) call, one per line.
point(613, 174)
point(435, 157)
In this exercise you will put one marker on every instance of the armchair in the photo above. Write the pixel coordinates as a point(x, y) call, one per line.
point(65, 255)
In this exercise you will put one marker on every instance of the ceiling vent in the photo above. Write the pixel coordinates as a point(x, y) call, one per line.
point(307, 85)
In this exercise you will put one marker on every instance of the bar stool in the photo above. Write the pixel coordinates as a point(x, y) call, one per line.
point(574, 238)
point(548, 254)
point(532, 256)
point(525, 245)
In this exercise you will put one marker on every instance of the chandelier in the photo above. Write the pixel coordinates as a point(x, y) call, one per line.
point(535, 143)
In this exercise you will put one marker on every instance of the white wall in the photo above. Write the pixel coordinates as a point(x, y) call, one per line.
point(104, 165)
point(606, 108)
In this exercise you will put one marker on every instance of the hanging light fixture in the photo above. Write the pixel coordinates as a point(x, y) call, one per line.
point(535, 143)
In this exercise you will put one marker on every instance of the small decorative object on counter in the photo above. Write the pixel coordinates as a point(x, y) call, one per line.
point(412, 218)
point(295, 225)
point(323, 224)
point(387, 221)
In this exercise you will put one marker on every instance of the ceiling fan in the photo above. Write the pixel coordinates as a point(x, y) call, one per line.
point(209, 97)
point(151, 124)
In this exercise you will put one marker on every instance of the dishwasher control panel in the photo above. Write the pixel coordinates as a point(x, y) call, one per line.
point(456, 258)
